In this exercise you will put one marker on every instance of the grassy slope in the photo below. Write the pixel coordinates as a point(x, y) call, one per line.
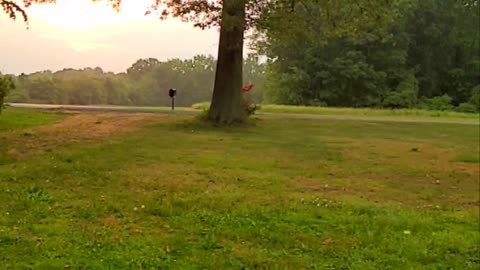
point(286, 194)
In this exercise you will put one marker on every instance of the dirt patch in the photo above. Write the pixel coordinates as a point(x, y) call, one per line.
point(309, 185)
point(97, 126)
point(336, 188)
point(111, 222)
point(414, 155)
point(76, 129)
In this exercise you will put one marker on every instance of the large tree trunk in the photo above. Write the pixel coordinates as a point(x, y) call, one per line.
point(227, 102)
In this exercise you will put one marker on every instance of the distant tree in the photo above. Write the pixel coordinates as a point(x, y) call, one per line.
point(141, 67)
point(6, 85)
point(42, 89)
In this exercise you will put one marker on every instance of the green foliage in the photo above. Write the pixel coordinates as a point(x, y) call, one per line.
point(444, 45)
point(475, 97)
point(146, 83)
point(405, 95)
point(442, 103)
point(6, 86)
point(42, 89)
point(396, 100)
point(466, 108)
point(429, 49)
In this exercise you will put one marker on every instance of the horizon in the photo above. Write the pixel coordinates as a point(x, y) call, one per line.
point(77, 34)
point(93, 67)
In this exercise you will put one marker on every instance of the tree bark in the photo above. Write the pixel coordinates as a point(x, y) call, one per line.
point(227, 103)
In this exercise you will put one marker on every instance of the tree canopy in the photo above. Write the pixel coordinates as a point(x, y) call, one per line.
point(429, 50)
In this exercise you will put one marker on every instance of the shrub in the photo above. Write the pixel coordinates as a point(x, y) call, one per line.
point(441, 103)
point(466, 108)
point(6, 85)
point(475, 98)
point(405, 95)
point(395, 100)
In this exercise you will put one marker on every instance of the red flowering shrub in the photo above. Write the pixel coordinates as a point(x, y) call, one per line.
point(250, 107)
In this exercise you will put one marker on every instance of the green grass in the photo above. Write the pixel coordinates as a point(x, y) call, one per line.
point(401, 113)
point(11, 119)
point(405, 114)
point(281, 194)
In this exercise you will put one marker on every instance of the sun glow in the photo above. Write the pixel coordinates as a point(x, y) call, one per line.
point(79, 33)
point(75, 15)
point(82, 24)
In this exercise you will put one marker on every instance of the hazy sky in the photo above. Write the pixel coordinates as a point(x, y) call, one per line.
point(77, 34)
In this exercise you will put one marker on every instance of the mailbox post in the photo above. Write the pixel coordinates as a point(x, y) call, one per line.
point(172, 93)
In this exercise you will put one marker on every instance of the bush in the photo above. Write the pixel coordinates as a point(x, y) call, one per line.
point(405, 95)
point(466, 108)
point(475, 98)
point(396, 100)
point(6, 85)
point(441, 103)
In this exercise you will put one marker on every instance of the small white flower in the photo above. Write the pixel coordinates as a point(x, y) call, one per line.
point(135, 208)
point(143, 206)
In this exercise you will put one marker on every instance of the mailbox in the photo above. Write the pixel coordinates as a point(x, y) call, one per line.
point(172, 92)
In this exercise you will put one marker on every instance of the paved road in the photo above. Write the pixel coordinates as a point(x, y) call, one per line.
point(189, 111)
point(99, 108)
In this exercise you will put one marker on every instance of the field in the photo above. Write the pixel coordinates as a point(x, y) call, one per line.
point(145, 191)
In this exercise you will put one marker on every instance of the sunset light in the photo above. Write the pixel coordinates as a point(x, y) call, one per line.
point(79, 33)
point(82, 16)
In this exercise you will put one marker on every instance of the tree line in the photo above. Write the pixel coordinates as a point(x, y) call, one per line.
point(145, 83)
point(428, 56)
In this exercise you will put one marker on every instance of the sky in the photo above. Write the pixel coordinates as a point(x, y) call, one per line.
point(78, 34)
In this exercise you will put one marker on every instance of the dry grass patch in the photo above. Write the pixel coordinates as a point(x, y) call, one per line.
point(80, 128)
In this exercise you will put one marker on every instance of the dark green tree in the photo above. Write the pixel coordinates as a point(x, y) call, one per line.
point(429, 49)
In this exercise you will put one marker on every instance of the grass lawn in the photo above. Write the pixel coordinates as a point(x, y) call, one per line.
point(399, 114)
point(140, 191)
